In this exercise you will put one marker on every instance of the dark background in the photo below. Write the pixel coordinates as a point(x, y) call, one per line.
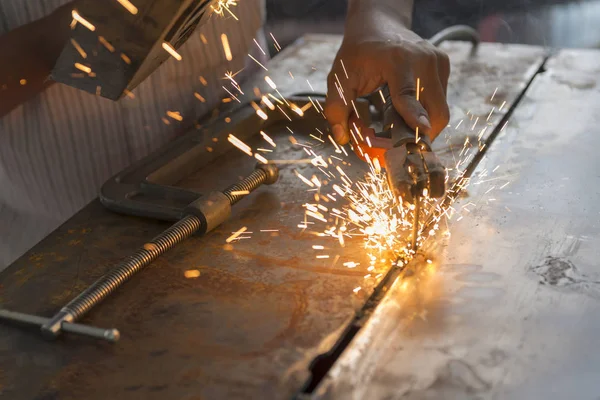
point(556, 23)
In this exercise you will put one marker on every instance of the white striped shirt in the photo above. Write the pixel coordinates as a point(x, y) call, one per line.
point(58, 149)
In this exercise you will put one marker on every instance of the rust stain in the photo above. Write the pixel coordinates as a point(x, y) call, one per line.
point(68, 294)
point(297, 315)
point(38, 260)
point(36, 257)
point(192, 375)
point(24, 277)
point(70, 375)
point(219, 282)
point(296, 263)
point(228, 288)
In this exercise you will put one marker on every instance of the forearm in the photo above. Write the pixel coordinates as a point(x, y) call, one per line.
point(30, 52)
point(400, 9)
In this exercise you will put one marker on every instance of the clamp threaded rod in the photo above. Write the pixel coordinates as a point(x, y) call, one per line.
point(177, 233)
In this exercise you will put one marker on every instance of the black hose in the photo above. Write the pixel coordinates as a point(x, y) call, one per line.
point(456, 32)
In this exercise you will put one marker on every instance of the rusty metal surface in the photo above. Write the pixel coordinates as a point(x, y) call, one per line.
point(510, 308)
point(259, 312)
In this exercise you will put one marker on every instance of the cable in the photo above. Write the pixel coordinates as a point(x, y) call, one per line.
point(456, 32)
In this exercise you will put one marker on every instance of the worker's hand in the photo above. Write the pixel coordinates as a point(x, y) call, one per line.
point(377, 49)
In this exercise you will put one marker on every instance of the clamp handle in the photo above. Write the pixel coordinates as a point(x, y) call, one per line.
point(110, 335)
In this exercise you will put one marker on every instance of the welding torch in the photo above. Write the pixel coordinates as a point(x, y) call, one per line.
point(413, 169)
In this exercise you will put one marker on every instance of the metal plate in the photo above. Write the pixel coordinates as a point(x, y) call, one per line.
point(257, 315)
point(509, 309)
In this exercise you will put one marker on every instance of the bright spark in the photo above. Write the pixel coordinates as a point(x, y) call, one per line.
point(268, 102)
point(171, 51)
point(236, 234)
point(125, 58)
point(83, 68)
point(220, 6)
point(344, 67)
point(270, 82)
point(260, 158)
point(258, 62)
point(226, 48)
point(106, 44)
point(277, 46)
point(239, 144)
point(175, 115)
point(128, 6)
point(493, 95)
point(82, 21)
point(191, 273)
point(79, 49)
point(260, 48)
point(268, 138)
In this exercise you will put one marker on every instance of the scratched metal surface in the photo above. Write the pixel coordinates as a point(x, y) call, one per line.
point(510, 308)
point(256, 316)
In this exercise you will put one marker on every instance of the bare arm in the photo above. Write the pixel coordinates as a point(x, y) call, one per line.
point(401, 10)
point(29, 53)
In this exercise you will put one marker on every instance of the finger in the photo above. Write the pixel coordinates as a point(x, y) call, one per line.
point(433, 99)
point(444, 69)
point(338, 105)
point(402, 87)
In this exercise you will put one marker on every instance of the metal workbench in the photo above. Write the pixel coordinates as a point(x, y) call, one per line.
point(510, 308)
point(497, 315)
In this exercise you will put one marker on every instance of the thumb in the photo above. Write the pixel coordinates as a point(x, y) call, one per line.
point(403, 94)
point(338, 109)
